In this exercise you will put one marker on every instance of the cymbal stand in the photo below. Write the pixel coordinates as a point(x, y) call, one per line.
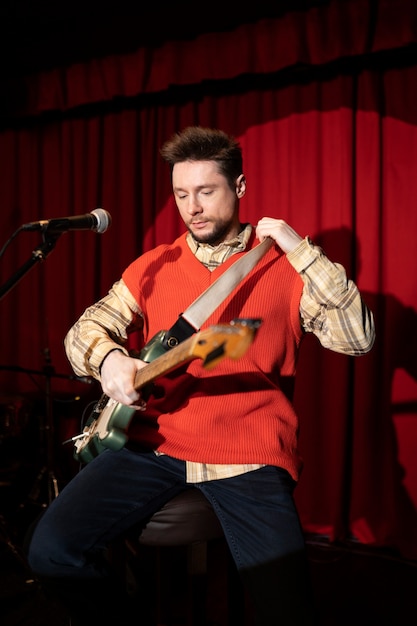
point(47, 430)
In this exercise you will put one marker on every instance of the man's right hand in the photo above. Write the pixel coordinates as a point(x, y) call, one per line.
point(118, 372)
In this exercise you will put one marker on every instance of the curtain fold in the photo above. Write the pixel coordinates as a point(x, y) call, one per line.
point(324, 34)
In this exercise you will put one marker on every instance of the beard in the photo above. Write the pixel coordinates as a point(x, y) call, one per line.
point(218, 234)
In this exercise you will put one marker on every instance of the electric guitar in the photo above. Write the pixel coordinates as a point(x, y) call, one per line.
point(109, 421)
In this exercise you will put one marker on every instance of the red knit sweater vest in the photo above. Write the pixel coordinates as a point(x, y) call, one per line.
point(241, 411)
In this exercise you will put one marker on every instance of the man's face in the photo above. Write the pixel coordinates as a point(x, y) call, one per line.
point(207, 205)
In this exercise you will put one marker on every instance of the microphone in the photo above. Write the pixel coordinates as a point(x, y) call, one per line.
point(98, 220)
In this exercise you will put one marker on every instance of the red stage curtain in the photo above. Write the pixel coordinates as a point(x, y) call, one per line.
point(331, 149)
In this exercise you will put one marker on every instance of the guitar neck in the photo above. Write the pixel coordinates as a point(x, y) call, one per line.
point(211, 345)
point(170, 360)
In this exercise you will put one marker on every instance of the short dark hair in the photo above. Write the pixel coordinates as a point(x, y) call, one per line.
point(196, 143)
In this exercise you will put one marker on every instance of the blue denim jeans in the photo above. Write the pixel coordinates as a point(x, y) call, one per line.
point(120, 489)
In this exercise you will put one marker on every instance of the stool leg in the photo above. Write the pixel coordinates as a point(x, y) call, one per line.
point(197, 584)
point(235, 595)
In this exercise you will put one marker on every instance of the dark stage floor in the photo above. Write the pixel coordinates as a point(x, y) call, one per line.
point(354, 586)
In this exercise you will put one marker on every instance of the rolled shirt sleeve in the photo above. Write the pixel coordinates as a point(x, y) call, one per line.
point(102, 327)
point(331, 305)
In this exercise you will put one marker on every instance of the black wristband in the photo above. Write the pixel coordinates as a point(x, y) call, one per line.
point(113, 350)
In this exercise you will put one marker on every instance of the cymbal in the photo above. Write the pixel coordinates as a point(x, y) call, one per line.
point(49, 372)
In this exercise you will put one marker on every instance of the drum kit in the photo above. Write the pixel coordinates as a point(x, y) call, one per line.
point(29, 441)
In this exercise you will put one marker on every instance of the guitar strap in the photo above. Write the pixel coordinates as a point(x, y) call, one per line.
point(191, 320)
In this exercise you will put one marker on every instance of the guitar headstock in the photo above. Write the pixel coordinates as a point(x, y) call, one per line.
point(221, 340)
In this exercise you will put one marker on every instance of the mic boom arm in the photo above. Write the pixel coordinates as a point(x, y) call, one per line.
point(39, 254)
point(101, 222)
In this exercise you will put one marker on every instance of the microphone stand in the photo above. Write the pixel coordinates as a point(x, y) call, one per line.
point(39, 254)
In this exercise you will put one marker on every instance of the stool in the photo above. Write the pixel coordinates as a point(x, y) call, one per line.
point(187, 522)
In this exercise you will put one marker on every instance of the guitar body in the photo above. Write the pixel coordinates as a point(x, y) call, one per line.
point(104, 429)
point(109, 421)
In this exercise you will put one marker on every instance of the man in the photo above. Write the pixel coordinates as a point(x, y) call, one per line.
point(230, 431)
